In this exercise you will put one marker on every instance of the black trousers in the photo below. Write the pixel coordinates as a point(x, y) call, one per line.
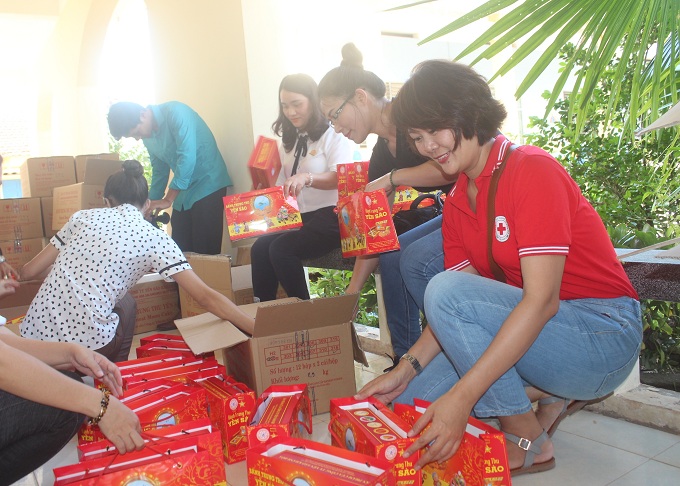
point(118, 349)
point(199, 229)
point(277, 258)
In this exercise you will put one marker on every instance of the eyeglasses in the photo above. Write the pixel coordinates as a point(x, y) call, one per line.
point(335, 115)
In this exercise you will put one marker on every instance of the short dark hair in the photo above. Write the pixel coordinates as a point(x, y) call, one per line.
point(316, 126)
point(123, 117)
point(448, 95)
point(342, 81)
point(128, 185)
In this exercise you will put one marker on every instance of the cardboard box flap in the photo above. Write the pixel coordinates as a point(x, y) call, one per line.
point(207, 332)
point(97, 171)
point(303, 315)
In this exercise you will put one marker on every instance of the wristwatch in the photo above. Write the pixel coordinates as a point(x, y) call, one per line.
point(414, 362)
point(2, 259)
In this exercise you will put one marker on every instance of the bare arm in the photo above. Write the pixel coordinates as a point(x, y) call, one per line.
point(295, 184)
point(40, 265)
point(213, 301)
point(427, 174)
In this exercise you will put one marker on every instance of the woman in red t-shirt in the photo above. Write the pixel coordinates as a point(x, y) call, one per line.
point(559, 324)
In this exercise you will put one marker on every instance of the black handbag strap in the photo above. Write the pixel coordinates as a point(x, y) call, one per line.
point(491, 215)
point(436, 197)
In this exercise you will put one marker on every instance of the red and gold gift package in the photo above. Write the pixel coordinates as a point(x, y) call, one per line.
point(264, 163)
point(352, 177)
point(369, 427)
point(481, 459)
point(260, 212)
point(157, 344)
point(185, 460)
point(366, 226)
point(290, 461)
point(404, 196)
point(281, 411)
point(230, 405)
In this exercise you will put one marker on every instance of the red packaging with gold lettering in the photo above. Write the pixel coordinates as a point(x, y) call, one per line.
point(131, 366)
point(230, 405)
point(289, 461)
point(281, 411)
point(369, 427)
point(260, 212)
point(176, 372)
point(352, 177)
point(404, 197)
point(366, 226)
point(264, 163)
point(185, 461)
point(156, 348)
point(481, 459)
point(161, 337)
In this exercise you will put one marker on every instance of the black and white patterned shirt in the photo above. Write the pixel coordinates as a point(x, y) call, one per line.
point(102, 254)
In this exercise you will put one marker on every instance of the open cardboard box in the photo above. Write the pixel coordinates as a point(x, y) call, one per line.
point(294, 341)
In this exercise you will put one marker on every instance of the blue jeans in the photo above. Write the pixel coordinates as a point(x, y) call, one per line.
point(31, 434)
point(403, 312)
point(585, 351)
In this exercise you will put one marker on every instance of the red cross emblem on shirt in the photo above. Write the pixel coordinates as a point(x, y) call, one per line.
point(502, 229)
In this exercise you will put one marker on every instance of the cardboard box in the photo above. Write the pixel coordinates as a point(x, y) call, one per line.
point(261, 212)
point(242, 285)
point(371, 428)
point(81, 162)
point(293, 342)
point(23, 296)
point(157, 302)
point(242, 255)
point(19, 252)
point(88, 194)
point(20, 219)
point(47, 207)
point(264, 163)
point(215, 271)
point(40, 175)
point(303, 462)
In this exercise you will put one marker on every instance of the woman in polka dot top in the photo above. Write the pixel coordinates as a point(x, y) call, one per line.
point(97, 257)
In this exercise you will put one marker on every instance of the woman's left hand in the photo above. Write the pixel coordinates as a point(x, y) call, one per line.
point(295, 184)
point(447, 418)
point(97, 366)
point(7, 271)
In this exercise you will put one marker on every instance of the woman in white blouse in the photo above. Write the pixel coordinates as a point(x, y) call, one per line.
point(310, 151)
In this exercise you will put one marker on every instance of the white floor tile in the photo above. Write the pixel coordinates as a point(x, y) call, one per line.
point(68, 455)
point(670, 456)
point(652, 473)
point(26, 481)
point(629, 437)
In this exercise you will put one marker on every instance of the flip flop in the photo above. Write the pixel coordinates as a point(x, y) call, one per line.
point(532, 447)
point(570, 408)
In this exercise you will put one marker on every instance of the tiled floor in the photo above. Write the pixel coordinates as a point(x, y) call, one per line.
point(590, 449)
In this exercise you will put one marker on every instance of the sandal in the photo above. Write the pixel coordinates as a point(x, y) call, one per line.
point(570, 408)
point(395, 362)
point(532, 447)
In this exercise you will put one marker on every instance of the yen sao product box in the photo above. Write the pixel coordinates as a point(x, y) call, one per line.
point(184, 461)
point(264, 163)
point(303, 462)
point(352, 177)
point(369, 427)
point(480, 460)
point(404, 197)
point(281, 411)
point(366, 226)
point(260, 212)
point(230, 406)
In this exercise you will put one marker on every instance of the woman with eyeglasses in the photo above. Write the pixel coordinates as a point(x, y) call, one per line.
point(353, 99)
point(310, 151)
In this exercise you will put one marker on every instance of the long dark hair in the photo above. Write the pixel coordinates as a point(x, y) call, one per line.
point(342, 81)
point(127, 186)
point(317, 124)
point(448, 95)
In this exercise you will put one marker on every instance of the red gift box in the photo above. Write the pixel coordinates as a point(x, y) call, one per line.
point(304, 462)
point(156, 348)
point(480, 460)
point(187, 461)
point(281, 411)
point(366, 226)
point(161, 337)
point(127, 368)
point(369, 427)
point(264, 163)
point(175, 373)
point(230, 405)
point(404, 196)
point(104, 447)
point(352, 177)
point(261, 212)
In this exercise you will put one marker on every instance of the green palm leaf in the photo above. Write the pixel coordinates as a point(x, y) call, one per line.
point(604, 28)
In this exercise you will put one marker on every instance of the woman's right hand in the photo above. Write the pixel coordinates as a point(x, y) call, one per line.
point(389, 386)
point(121, 426)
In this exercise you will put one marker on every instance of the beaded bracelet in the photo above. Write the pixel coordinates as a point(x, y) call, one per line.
point(104, 405)
point(394, 186)
point(311, 180)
